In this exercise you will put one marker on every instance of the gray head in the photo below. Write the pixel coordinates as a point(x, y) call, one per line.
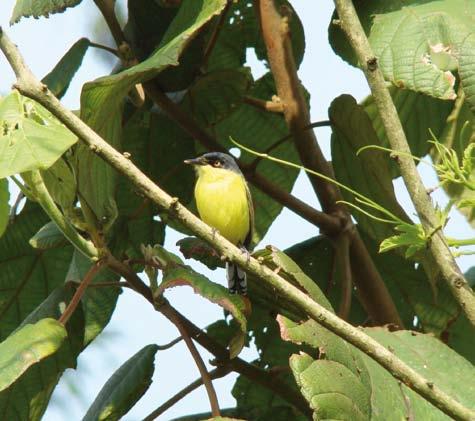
point(217, 160)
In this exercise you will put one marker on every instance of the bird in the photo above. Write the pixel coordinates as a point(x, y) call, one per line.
point(224, 202)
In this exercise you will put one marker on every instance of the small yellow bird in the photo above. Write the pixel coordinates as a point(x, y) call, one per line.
point(224, 202)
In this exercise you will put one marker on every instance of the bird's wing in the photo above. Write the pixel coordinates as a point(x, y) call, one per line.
point(248, 239)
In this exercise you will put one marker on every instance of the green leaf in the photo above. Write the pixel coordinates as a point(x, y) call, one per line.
point(31, 138)
point(368, 173)
point(124, 388)
point(98, 303)
point(4, 206)
point(61, 184)
point(37, 8)
point(28, 346)
point(27, 275)
point(180, 275)
point(195, 248)
point(48, 236)
point(214, 95)
point(419, 115)
point(344, 383)
point(60, 77)
point(28, 397)
point(316, 258)
point(410, 39)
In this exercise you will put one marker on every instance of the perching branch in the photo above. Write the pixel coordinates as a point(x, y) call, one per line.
point(374, 295)
point(31, 87)
point(350, 23)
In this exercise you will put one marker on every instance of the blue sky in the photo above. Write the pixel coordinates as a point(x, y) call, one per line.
point(135, 324)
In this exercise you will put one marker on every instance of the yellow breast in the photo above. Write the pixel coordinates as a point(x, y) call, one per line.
point(222, 202)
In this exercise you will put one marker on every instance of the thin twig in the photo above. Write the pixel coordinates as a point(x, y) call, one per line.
point(68, 312)
point(277, 38)
point(217, 373)
point(105, 48)
point(107, 8)
point(31, 87)
point(113, 284)
point(350, 23)
point(205, 376)
point(170, 344)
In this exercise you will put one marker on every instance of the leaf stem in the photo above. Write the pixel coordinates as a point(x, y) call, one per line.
point(41, 194)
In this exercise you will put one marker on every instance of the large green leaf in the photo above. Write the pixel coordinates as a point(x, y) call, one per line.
point(27, 275)
point(28, 397)
point(260, 130)
point(213, 96)
point(419, 115)
point(31, 138)
point(418, 43)
point(344, 383)
point(102, 100)
point(367, 173)
point(4, 206)
point(37, 8)
point(27, 346)
point(60, 77)
point(124, 388)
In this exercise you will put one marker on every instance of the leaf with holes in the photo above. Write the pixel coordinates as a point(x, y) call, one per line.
point(195, 248)
point(30, 137)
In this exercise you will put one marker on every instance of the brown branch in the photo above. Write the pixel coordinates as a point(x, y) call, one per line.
point(107, 8)
point(350, 23)
point(275, 31)
point(217, 373)
point(31, 87)
point(68, 312)
point(342, 260)
point(205, 376)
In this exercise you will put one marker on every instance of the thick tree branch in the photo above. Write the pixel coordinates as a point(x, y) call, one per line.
point(29, 86)
point(438, 247)
point(275, 31)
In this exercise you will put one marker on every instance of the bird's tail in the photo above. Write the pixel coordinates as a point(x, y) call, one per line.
point(237, 279)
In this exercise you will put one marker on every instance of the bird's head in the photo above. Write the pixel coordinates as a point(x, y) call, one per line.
point(214, 161)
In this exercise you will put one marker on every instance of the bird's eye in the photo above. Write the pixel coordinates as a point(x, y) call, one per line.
point(217, 164)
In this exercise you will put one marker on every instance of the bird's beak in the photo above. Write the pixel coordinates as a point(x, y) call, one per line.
point(195, 161)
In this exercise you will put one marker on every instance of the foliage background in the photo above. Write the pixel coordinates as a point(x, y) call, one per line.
point(134, 325)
